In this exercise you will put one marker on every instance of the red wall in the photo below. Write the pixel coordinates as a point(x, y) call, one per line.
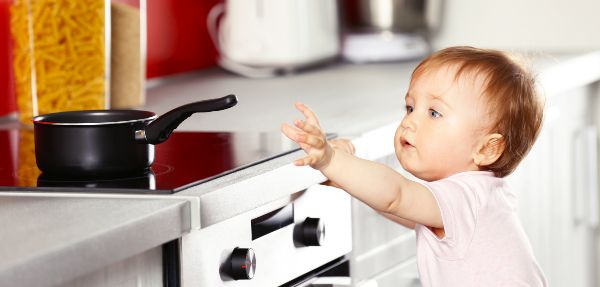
point(7, 88)
point(178, 40)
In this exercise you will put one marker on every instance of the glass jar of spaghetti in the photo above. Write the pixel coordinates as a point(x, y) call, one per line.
point(60, 55)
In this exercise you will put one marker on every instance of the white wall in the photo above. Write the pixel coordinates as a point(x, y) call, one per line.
point(548, 25)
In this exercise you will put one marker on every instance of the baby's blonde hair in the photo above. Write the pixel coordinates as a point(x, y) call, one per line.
point(510, 90)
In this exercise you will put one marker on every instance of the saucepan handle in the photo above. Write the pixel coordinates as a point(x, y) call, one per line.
point(160, 129)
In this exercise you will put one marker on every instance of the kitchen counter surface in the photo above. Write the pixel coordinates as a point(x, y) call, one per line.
point(51, 235)
point(47, 240)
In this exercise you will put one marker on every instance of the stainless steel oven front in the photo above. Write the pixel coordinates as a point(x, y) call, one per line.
point(283, 243)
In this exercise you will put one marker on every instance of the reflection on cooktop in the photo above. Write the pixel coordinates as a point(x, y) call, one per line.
point(185, 160)
point(147, 180)
point(144, 181)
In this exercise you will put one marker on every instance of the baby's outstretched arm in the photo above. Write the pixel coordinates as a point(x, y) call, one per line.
point(377, 185)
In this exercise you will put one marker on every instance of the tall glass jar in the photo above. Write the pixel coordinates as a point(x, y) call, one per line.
point(61, 55)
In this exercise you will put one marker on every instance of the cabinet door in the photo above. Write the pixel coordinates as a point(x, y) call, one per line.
point(555, 185)
point(403, 275)
point(382, 251)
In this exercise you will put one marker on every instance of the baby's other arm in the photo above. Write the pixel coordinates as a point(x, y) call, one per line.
point(375, 184)
point(405, 222)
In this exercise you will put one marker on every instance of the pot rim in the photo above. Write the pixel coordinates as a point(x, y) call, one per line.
point(47, 119)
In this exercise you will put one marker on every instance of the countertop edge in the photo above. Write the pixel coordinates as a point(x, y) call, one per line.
point(569, 74)
point(96, 250)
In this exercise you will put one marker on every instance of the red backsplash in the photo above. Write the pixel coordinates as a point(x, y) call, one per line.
point(178, 40)
point(7, 88)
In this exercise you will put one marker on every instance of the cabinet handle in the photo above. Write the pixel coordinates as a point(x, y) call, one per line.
point(585, 192)
point(591, 139)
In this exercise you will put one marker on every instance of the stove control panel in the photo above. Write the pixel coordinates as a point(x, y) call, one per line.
point(287, 235)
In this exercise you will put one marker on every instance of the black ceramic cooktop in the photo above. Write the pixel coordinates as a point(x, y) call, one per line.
point(185, 160)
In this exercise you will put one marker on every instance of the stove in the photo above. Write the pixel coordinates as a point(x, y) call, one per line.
point(185, 160)
point(265, 229)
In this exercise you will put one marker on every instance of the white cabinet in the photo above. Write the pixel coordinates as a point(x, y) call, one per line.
point(556, 186)
point(383, 252)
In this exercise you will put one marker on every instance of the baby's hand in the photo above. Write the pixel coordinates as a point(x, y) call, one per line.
point(311, 138)
point(343, 145)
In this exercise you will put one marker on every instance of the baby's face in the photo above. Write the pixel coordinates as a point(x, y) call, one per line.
point(445, 119)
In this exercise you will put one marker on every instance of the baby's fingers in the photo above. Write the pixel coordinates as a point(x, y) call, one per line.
point(304, 147)
point(311, 117)
point(290, 132)
point(307, 160)
point(309, 128)
point(296, 135)
point(311, 140)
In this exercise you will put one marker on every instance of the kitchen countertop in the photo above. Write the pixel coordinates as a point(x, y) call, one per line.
point(48, 234)
point(41, 237)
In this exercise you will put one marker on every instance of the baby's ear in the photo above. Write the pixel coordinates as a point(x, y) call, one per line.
point(488, 150)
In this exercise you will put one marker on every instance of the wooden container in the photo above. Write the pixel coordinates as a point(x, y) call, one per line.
point(128, 53)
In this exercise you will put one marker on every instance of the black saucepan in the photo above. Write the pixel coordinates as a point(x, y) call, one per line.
point(98, 143)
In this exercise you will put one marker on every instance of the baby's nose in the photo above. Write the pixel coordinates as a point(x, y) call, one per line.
point(408, 123)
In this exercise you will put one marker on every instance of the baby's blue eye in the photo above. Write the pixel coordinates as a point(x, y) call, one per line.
point(409, 109)
point(434, 114)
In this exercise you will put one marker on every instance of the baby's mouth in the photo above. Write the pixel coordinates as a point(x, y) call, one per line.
point(405, 143)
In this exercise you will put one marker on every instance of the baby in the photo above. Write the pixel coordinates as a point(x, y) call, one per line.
point(471, 117)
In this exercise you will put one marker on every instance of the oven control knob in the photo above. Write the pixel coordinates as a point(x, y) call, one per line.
point(243, 263)
point(312, 232)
